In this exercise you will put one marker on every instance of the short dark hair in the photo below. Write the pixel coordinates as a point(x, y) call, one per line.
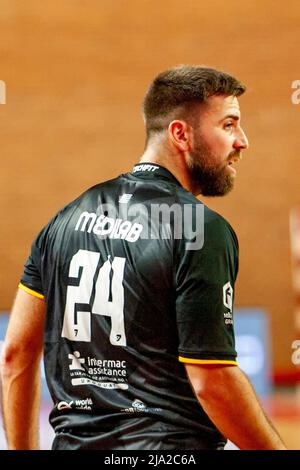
point(174, 91)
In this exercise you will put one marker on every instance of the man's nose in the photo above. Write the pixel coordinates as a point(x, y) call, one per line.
point(241, 141)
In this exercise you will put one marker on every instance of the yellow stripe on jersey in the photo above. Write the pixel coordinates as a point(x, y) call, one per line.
point(30, 291)
point(188, 360)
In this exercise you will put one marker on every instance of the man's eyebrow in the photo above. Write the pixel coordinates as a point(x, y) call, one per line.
point(235, 117)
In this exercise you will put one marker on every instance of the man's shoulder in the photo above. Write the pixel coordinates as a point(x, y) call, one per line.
point(91, 193)
point(89, 197)
point(217, 227)
point(211, 217)
point(107, 185)
point(216, 219)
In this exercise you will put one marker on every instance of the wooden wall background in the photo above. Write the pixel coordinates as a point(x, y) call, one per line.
point(76, 72)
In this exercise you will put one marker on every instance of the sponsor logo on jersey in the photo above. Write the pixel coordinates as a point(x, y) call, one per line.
point(63, 405)
point(82, 404)
point(76, 361)
point(109, 227)
point(125, 198)
point(228, 295)
point(145, 167)
point(139, 406)
point(152, 222)
point(228, 318)
point(103, 373)
point(228, 303)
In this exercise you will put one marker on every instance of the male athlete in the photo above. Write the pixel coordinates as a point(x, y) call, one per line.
point(129, 290)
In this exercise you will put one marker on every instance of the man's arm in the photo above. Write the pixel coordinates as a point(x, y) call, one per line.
point(20, 371)
point(229, 400)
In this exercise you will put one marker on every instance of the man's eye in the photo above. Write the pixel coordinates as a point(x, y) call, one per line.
point(229, 125)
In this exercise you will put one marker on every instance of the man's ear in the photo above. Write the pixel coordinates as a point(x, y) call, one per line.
point(181, 135)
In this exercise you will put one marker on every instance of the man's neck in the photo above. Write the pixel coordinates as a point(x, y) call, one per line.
point(176, 164)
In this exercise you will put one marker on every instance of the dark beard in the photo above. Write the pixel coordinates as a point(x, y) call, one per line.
point(209, 178)
point(211, 181)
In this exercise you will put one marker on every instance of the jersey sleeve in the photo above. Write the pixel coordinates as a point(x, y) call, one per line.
point(32, 280)
point(204, 296)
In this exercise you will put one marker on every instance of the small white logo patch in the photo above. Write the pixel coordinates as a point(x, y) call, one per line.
point(77, 361)
point(138, 405)
point(81, 404)
point(62, 405)
point(144, 167)
point(228, 295)
point(124, 198)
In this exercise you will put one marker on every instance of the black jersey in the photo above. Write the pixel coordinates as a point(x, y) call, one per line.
point(138, 278)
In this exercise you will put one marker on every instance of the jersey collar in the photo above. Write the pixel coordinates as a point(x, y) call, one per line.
point(153, 170)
